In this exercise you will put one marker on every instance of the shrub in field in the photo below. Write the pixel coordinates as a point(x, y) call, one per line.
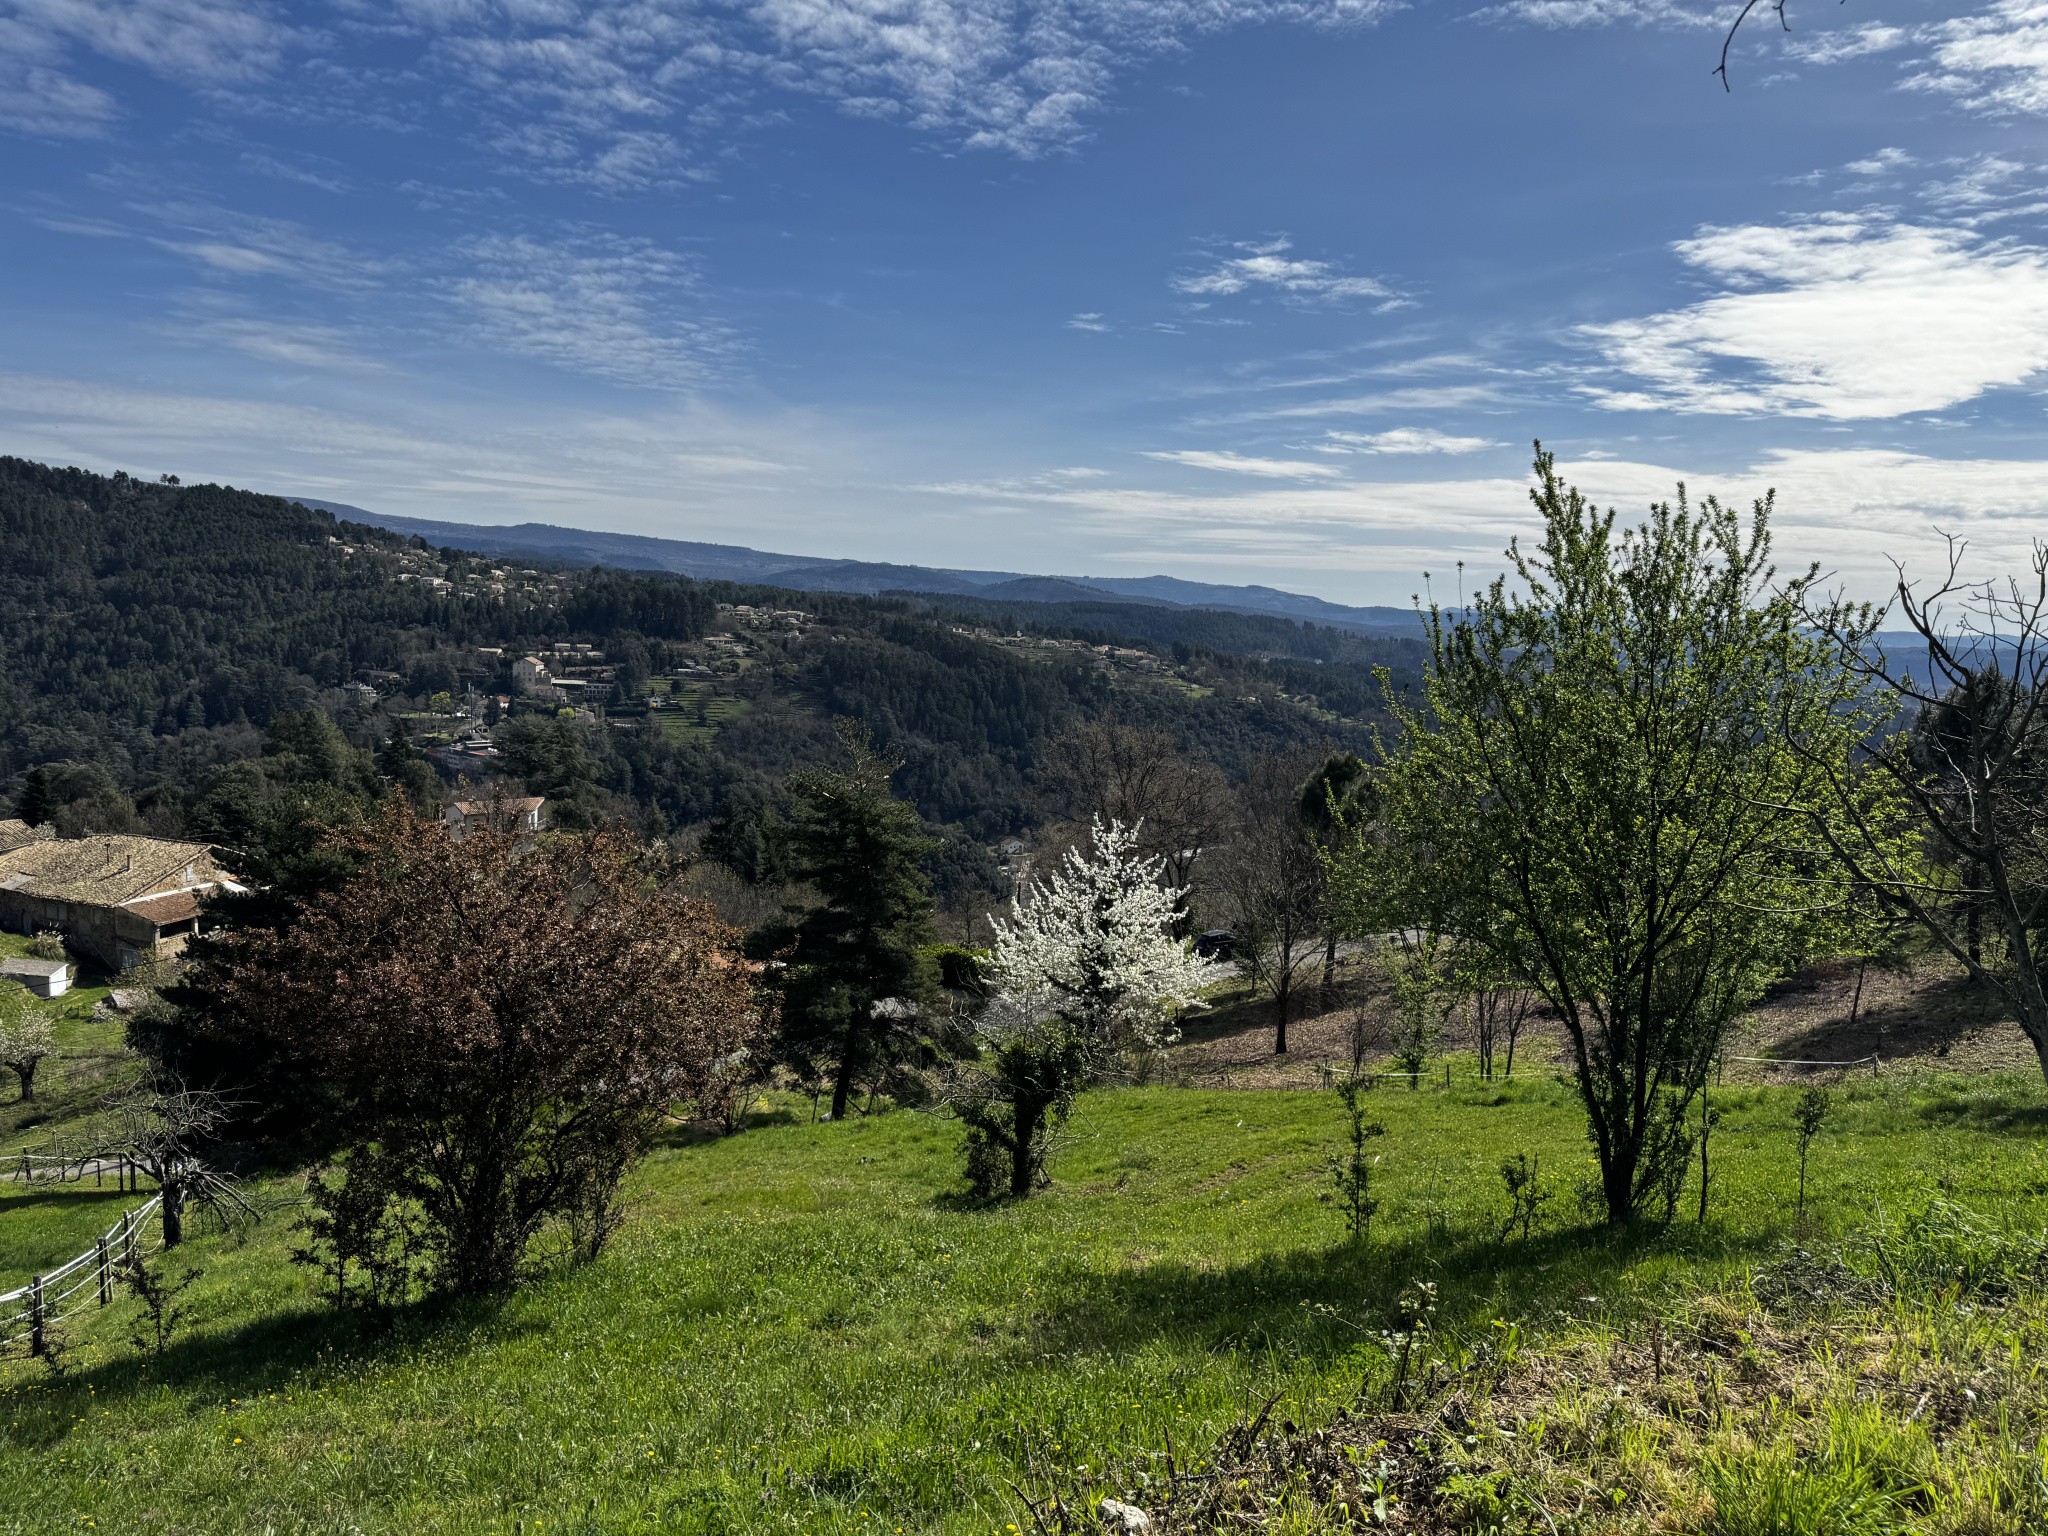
point(1522, 1177)
point(502, 1021)
point(1352, 1169)
point(1808, 1116)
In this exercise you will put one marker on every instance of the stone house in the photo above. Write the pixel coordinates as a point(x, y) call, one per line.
point(118, 899)
point(507, 813)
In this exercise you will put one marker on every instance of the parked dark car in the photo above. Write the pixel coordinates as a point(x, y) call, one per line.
point(1216, 944)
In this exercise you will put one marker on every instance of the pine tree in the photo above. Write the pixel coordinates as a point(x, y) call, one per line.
point(856, 976)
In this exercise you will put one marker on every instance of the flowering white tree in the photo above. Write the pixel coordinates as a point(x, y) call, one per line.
point(26, 1035)
point(1085, 969)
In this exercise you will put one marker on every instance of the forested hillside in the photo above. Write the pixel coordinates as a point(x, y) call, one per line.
point(152, 633)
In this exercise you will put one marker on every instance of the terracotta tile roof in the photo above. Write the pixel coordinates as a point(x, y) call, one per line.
point(106, 871)
point(175, 908)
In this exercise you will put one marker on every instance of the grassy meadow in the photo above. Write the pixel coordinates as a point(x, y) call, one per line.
point(804, 1328)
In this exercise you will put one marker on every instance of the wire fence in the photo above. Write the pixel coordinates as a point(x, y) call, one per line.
point(100, 1150)
point(29, 1313)
point(1446, 1075)
point(60, 1164)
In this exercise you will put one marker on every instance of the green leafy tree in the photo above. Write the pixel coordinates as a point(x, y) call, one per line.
point(1612, 786)
point(402, 766)
point(857, 971)
point(77, 798)
point(549, 753)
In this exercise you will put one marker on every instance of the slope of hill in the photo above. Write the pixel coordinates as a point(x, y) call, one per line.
point(155, 632)
point(732, 562)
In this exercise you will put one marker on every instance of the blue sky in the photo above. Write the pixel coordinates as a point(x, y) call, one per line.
point(1240, 290)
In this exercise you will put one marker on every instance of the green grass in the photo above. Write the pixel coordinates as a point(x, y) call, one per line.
point(720, 710)
point(91, 1061)
point(804, 1329)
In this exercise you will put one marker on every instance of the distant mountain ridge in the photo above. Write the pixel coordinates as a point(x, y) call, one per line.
point(812, 573)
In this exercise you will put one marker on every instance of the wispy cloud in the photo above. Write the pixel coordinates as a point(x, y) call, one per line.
point(1385, 402)
point(1845, 318)
point(1266, 265)
point(290, 344)
point(1575, 14)
point(1833, 47)
point(1403, 440)
point(226, 243)
point(1853, 510)
point(1884, 163)
point(44, 101)
point(1024, 77)
point(1087, 320)
point(601, 305)
point(1237, 464)
point(206, 43)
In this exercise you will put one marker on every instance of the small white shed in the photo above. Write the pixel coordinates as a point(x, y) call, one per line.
point(45, 978)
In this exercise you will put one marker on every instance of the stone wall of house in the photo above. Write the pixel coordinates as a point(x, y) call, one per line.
point(112, 937)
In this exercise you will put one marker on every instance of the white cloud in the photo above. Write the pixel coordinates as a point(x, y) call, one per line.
point(600, 305)
point(1995, 61)
point(1404, 440)
point(1238, 464)
point(1573, 14)
point(1845, 318)
point(1018, 75)
point(1427, 397)
point(48, 103)
point(1852, 510)
point(1087, 320)
point(626, 93)
point(1267, 265)
point(225, 243)
point(321, 348)
point(1883, 163)
point(208, 43)
point(1849, 43)
point(203, 41)
point(629, 94)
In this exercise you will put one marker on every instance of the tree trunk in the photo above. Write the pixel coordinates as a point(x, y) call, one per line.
point(1283, 994)
point(1029, 1116)
point(173, 1211)
point(1856, 1002)
point(1618, 1185)
point(842, 1081)
point(1329, 962)
point(27, 1075)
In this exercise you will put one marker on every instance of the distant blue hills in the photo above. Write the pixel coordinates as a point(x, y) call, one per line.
point(812, 573)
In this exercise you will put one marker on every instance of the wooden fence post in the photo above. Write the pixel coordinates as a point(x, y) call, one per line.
point(36, 1342)
point(104, 1264)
